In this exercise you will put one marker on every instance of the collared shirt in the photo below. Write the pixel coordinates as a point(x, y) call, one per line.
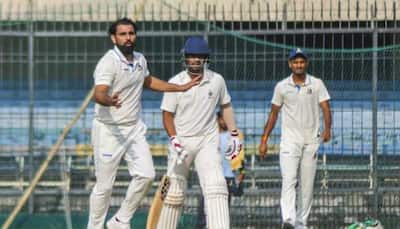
point(300, 108)
point(195, 108)
point(115, 71)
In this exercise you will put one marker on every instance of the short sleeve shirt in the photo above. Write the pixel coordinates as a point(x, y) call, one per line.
point(195, 108)
point(300, 108)
point(115, 71)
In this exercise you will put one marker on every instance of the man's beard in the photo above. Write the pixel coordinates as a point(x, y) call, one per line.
point(126, 50)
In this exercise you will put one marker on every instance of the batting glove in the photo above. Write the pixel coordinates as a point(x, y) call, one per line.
point(178, 148)
point(176, 144)
point(234, 147)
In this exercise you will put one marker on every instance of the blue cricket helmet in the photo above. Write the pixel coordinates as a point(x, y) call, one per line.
point(196, 45)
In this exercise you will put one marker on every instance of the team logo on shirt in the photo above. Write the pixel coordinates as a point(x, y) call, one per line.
point(133, 67)
point(139, 67)
point(309, 91)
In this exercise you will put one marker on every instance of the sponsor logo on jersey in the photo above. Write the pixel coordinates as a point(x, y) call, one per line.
point(134, 67)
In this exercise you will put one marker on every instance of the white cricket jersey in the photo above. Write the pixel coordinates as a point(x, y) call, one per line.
point(300, 108)
point(195, 108)
point(125, 77)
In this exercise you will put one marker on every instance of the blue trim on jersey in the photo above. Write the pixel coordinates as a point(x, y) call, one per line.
point(131, 65)
point(306, 82)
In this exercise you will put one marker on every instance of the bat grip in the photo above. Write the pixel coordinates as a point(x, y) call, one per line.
point(178, 160)
point(181, 157)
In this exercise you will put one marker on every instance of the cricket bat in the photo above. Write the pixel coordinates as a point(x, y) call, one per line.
point(156, 206)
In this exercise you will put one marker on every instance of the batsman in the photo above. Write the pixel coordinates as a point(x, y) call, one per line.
point(190, 122)
point(300, 97)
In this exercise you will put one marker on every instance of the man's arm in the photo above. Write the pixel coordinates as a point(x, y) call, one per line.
point(326, 110)
point(228, 116)
point(156, 84)
point(101, 96)
point(269, 126)
point(235, 145)
point(168, 121)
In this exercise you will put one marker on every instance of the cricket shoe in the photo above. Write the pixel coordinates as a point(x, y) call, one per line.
point(115, 223)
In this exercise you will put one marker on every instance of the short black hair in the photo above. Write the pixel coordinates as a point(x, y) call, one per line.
point(123, 21)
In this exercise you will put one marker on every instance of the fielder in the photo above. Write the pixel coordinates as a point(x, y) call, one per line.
point(190, 122)
point(117, 129)
point(300, 96)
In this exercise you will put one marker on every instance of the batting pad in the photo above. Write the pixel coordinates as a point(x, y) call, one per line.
point(173, 203)
point(217, 207)
point(216, 197)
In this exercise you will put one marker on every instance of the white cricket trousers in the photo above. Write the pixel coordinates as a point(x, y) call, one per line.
point(298, 164)
point(110, 144)
point(203, 151)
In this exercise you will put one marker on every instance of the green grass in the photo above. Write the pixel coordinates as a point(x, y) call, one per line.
point(57, 221)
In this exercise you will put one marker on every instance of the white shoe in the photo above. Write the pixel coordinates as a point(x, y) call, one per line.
point(114, 223)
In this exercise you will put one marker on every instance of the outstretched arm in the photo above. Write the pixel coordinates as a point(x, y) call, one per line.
point(326, 110)
point(156, 84)
point(269, 126)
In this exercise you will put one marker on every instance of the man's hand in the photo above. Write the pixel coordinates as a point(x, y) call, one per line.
point(195, 81)
point(115, 100)
point(234, 147)
point(178, 148)
point(176, 144)
point(263, 148)
point(326, 135)
point(102, 97)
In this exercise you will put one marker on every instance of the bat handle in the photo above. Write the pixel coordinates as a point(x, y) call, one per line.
point(181, 157)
